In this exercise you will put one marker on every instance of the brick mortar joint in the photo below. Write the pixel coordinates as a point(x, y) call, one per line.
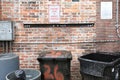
point(95, 41)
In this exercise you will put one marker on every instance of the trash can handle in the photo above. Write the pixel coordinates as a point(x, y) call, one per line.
point(117, 72)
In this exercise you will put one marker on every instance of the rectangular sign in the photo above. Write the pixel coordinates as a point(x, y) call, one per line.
point(54, 13)
point(106, 10)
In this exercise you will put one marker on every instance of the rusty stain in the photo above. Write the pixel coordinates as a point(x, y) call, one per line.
point(55, 76)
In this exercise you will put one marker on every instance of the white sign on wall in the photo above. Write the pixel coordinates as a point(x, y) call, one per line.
point(106, 10)
point(54, 13)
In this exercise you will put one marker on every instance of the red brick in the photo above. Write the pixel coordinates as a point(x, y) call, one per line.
point(79, 40)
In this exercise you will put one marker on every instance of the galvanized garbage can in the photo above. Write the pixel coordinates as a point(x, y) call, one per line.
point(31, 74)
point(55, 65)
point(8, 62)
point(100, 66)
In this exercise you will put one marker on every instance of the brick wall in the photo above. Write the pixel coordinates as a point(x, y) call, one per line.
point(36, 11)
point(29, 42)
point(106, 26)
point(106, 31)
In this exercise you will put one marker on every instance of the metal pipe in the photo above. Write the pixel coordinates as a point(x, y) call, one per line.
point(6, 47)
point(117, 11)
point(3, 47)
point(10, 47)
point(117, 19)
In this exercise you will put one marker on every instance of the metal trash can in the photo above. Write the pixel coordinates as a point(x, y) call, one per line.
point(100, 66)
point(31, 74)
point(55, 65)
point(8, 62)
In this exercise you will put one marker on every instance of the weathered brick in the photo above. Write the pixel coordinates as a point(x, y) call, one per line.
point(29, 42)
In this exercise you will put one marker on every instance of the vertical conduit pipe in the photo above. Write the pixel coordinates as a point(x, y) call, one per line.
point(117, 19)
point(10, 43)
point(6, 46)
point(3, 47)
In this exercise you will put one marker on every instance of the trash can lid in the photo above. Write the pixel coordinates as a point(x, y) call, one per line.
point(55, 54)
point(7, 56)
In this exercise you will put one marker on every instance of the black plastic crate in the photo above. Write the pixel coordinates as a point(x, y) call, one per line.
point(100, 66)
point(55, 65)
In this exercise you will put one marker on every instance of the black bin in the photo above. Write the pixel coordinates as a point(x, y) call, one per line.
point(55, 65)
point(100, 66)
